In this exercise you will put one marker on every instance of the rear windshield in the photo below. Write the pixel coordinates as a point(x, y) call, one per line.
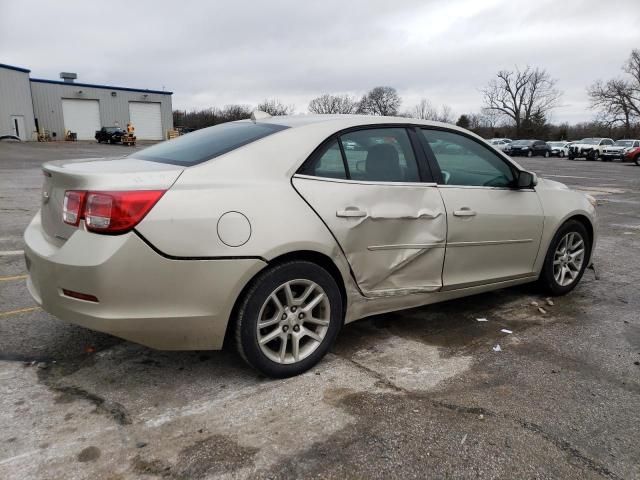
point(202, 145)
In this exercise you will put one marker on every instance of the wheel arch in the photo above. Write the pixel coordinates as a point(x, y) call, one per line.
point(312, 256)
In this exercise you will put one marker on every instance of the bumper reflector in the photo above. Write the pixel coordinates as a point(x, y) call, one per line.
point(80, 296)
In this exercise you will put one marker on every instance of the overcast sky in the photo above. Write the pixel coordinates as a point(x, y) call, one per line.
point(220, 52)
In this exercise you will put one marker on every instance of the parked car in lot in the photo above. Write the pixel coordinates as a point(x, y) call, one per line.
point(267, 232)
point(500, 144)
point(528, 148)
point(109, 134)
point(589, 148)
point(618, 150)
point(559, 149)
point(632, 155)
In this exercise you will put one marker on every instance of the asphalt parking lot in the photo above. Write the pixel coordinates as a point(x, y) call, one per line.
point(413, 394)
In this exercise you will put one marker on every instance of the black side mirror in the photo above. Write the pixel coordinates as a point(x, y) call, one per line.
point(527, 179)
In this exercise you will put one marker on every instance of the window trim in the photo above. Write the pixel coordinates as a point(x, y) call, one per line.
point(435, 167)
point(425, 173)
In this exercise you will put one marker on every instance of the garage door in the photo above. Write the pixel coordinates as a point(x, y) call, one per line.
point(146, 119)
point(81, 117)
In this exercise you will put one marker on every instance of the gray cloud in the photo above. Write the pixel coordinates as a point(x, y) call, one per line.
point(215, 53)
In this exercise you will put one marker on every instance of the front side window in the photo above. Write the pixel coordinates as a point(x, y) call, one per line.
point(466, 162)
point(208, 143)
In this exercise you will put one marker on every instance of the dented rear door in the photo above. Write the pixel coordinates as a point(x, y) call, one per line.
point(393, 234)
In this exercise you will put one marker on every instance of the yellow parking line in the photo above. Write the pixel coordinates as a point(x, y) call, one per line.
point(20, 310)
point(15, 277)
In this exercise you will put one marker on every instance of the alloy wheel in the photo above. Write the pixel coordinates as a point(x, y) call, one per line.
point(568, 259)
point(293, 321)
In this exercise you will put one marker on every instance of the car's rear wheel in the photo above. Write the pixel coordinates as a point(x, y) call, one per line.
point(529, 153)
point(289, 318)
point(566, 258)
point(595, 155)
point(637, 160)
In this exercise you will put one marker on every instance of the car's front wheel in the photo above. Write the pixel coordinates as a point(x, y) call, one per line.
point(529, 154)
point(561, 154)
point(289, 318)
point(546, 154)
point(566, 258)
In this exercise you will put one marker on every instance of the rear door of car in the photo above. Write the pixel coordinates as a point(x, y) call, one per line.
point(372, 188)
point(494, 229)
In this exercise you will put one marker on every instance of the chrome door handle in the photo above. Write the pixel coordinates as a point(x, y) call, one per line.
point(464, 212)
point(351, 212)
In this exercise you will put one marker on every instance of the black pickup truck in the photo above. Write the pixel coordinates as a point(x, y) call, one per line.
point(109, 134)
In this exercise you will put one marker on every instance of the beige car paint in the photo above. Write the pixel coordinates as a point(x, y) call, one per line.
point(180, 293)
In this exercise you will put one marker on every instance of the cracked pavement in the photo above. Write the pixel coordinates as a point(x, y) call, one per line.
point(412, 394)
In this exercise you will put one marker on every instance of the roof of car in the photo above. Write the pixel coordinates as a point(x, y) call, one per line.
point(349, 120)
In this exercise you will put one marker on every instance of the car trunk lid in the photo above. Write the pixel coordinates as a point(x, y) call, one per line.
point(97, 175)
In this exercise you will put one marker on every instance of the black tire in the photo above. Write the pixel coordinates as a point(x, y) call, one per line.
point(529, 154)
point(595, 155)
point(637, 160)
point(261, 288)
point(546, 154)
point(561, 154)
point(547, 280)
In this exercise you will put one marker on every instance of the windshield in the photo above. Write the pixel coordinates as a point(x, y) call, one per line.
point(557, 144)
point(590, 141)
point(624, 143)
point(111, 129)
point(522, 142)
point(208, 143)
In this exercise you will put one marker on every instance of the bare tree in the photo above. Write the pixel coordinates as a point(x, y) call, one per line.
point(523, 96)
point(380, 101)
point(275, 107)
point(425, 110)
point(333, 104)
point(617, 101)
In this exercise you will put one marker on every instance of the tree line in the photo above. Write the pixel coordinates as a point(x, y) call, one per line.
point(516, 103)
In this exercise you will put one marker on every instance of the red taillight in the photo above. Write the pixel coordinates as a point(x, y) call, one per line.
point(72, 207)
point(115, 212)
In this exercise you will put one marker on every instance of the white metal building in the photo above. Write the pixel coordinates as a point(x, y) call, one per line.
point(59, 106)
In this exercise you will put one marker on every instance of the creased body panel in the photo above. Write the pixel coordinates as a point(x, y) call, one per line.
point(392, 234)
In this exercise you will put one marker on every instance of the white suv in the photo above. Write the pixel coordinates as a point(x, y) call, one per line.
point(589, 148)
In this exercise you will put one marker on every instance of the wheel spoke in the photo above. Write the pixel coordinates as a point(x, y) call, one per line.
point(312, 334)
point(316, 321)
point(283, 347)
point(270, 336)
point(270, 321)
point(573, 255)
point(288, 294)
point(295, 347)
point(274, 298)
point(313, 303)
point(306, 293)
point(562, 275)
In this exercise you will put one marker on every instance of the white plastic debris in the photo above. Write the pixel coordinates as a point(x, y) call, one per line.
point(497, 348)
point(504, 330)
point(542, 310)
point(550, 302)
point(464, 439)
point(482, 320)
point(534, 304)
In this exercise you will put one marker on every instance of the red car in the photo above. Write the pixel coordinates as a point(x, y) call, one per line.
point(632, 155)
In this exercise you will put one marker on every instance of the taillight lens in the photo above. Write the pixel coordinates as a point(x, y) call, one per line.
point(116, 212)
point(72, 207)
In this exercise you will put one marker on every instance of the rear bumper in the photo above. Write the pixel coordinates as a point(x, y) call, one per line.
point(142, 296)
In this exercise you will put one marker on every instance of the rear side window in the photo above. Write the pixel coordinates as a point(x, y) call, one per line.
point(372, 155)
point(208, 143)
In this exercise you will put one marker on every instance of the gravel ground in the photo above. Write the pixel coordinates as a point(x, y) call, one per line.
point(412, 394)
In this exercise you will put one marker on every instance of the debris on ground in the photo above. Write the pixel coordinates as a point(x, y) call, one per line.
point(550, 302)
point(542, 310)
point(464, 439)
point(497, 348)
point(482, 320)
point(504, 330)
point(534, 304)
point(89, 349)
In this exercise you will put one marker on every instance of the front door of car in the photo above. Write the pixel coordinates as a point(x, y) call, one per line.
point(494, 229)
point(389, 221)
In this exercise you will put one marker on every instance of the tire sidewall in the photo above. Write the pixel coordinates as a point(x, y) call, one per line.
point(249, 311)
point(546, 276)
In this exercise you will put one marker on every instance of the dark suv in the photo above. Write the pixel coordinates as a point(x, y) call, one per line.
point(109, 134)
point(528, 148)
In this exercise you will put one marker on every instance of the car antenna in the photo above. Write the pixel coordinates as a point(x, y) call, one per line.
point(259, 115)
